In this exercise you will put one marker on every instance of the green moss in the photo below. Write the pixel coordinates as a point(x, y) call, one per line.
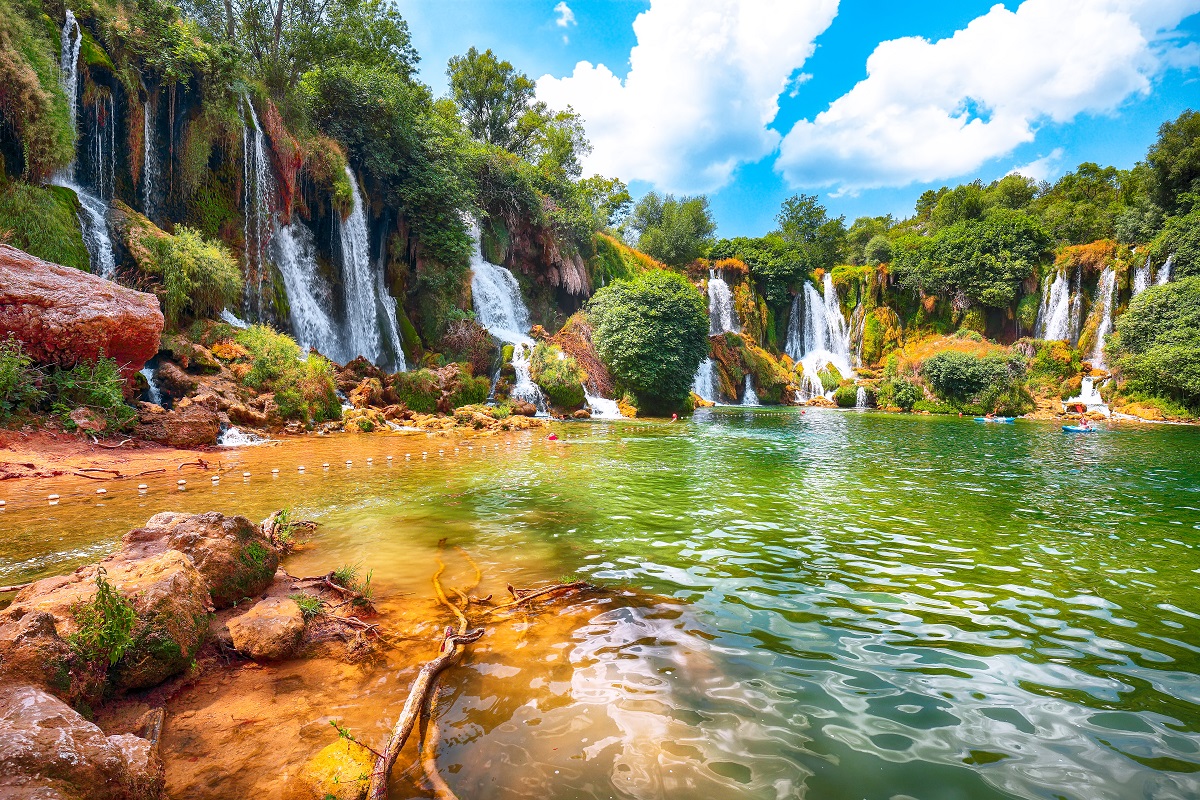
point(1027, 311)
point(559, 375)
point(846, 396)
point(43, 221)
point(418, 389)
point(974, 320)
point(409, 340)
point(469, 391)
point(92, 54)
point(34, 103)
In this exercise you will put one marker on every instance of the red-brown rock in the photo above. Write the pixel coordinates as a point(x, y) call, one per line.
point(62, 315)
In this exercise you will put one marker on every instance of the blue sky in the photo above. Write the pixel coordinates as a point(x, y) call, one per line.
point(865, 103)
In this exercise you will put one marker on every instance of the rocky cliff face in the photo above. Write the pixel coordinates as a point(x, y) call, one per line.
point(63, 316)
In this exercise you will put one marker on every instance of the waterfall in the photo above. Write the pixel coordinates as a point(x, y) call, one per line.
point(72, 40)
point(722, 318)
point(294, 251)
point(703, 384)
point(258, 215)
point(94, 224)
point(860, 398)
point(818, 336)
point(600, 407)
point(149, 161)
point(749, 398)
point(153, 394)
point(1164, 274)
point(1054, 316)
point(1075, 317)
point(104, 148)
point(499, 307)
point(371, 331)
point(1141, 278)
point(1104, 293)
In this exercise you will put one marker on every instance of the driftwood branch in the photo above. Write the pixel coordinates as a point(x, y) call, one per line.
point(15, 587)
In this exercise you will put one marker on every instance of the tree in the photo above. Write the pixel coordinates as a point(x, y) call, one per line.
point(962, 203)
point(819, 240)
point(863, 230)
point(985, 259)
point(676, 232)
point(1175, 161)
point(1013, 191)
point(652, 333)
point(1157, 342)
point(1180, 240)
point(1083, 205)
point(962, 378)
point(878, 250)
point(496, 101)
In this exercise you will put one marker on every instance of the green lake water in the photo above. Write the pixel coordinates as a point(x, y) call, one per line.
point(826, 605)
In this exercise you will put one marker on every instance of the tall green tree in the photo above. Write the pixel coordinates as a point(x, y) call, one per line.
point(674, 231)
point(1175, 160)
point(497, 102)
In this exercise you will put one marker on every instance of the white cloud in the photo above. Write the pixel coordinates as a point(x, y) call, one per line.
point(703, 84)
point(934, 110)
point(1044, 168)
point(566, 16)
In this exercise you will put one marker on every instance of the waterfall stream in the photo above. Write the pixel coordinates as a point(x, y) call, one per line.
point(601, 407)
point(1141, 278)
point(818, 336)
point(722, 318)
point(1164, 273)
point(257, 213)
point(499, 307)
point(294, 251)
point(703, 384)
point(749, 398)
point(1104, 296)
point(149, 161)
point(860, 398)
point(1054, 316)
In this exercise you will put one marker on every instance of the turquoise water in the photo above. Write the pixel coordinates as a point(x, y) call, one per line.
point(822, 605)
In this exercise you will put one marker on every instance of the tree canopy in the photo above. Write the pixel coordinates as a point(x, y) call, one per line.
point(674, 231)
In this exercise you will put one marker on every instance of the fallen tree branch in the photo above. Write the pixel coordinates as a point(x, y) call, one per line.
point(97, 442)
point(15, 587)
point(525, 595)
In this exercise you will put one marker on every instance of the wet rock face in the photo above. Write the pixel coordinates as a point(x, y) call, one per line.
point(230, 552)
point(270, 631)
point(32, 652)
point(189, 424)
point(336, 772)
point(63, 316)
point(47, 750)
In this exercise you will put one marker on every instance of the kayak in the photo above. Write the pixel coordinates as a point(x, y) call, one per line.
point(1078, 429)
point(995, 419)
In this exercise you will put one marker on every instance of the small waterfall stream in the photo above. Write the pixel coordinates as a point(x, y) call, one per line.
point(153, 393)
point(258, 214)
point(601, 407)
point(1141, 278)
point(294, 251)
point(72, 41)
point(703, 384)
point(149, 161)
point(1164, 273)
point(1054, 316)
point(860, 398)
point(1075, 318)
point(1104, 296)
point(749, 398)
point(722, 318)
point(499, 307)
point(818, 336)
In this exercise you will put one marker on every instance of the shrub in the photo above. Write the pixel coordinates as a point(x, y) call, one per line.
point(19, 380)
point(105, 625)
point(304, 389)
point(899, 392)
point(559, 375)
point(418, 389)
point(1180, 239)
point(199, 277)
point(273, 356)
point(878, 250)
point(1158, 342)
point(652, 333)
point(846, 396)
point(97, 386)
point(961, 378)
point(468, 341)
point(468, 390)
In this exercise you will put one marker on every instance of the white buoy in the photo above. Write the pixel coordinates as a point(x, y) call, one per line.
point(3, 503)
point(389, 458)
point(245, 474)
point(181, 482)
point(300, 468)
point(142, 487)
point(369, 459)
point(102, 491)
point(325, 465)
point(348, 462)
point(407, 456)
point(52, 497)
point(274, 472)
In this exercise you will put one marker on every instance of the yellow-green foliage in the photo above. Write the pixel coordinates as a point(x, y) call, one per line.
point(613, 259)
point(882, 333)
point(737, 355)
point(199, 277)
point(42, 221)
point(751, 310)
point(1050, 362)
point(559, 375)
point(325, 163)
point(31, 100)
point(974, 320)
point(304, 390)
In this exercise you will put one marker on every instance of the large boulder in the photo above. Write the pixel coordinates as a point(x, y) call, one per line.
point(63, 316)
point(231, 552)
point(32, 652)
point(169, 598)
point(340, 771)
point(47, 750)
point(189, 424)
point(270, 631)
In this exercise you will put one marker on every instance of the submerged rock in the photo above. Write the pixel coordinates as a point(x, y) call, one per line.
point(47, 750)
point(341, 771)
point(231, 553)
point(63, 316)
point(270, 631)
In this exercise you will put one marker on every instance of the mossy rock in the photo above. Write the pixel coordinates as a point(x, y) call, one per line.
point(418, 389)
point(340, 771)
point(830, 377)
point(44, 222)
point(974, 320)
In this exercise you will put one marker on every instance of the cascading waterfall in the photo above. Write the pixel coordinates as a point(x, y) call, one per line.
point(104, 148)
point(860, 398)
point(601, 407)
point(499, 307)
point(703, 384)
point(1075, 317)
point(294, 251)
point(370, 330)
point(818, 336)
point(1141, 278)
point(149, 161)
point(749, 398)
point(153, 394)
point(93, 221)
point(258, 214)
point(1108, 284)
point(722, 318)
point(1164, 273)
point(1054, 316)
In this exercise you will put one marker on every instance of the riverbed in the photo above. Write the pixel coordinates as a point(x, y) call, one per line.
point(824, 605)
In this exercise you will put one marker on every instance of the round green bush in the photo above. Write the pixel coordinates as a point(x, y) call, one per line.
point(846, 396)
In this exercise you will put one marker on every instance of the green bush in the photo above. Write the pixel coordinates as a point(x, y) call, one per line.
point(97, 386)
point(1158, 342)
point(419, 390)
point(470, 390)
point(42, 221)
point(35, 108)
point(652, 333)
point(899, 392)
point(19, 380)
point(199, 277)
point(846, 396)
point(961, 378)
point(105, 626)
point(304, 389)
point(559, 375)
point(1180, 239)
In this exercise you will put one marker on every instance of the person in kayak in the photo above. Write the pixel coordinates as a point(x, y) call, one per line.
point(1085, 423)
point(990, 415)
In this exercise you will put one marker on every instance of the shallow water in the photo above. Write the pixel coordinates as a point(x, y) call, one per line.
point(828, 605)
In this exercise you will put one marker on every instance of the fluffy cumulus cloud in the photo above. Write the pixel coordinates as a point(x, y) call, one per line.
point(703, 84)
point(934, 110)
